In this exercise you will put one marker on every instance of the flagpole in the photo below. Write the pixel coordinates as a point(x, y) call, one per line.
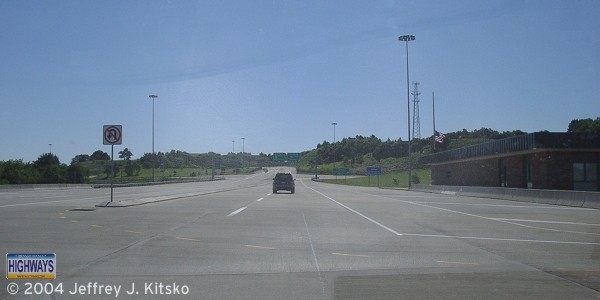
point(433, 139)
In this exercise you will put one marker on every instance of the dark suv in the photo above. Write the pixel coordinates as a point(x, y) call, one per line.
point(283, 181)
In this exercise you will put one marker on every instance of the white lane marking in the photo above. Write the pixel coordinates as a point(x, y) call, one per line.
point(346, 254)
point(461, 237)
point(312, 248)
point(237, 211)
point(133, 231)
point(498, 239)
point(259, 247)
point(356, 212)
point(261, 199)
point(187, 239)
point(543, 221)
point(456, 262)
point(487, 218)
point(504, 205)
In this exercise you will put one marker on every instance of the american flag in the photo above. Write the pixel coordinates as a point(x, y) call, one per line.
point(439, 137)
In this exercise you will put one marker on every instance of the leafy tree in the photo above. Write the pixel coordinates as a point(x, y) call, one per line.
point(15, 172)
point(125, 154)
point(80, 158)
point(585, 126)
point(50, 169)
point(77, 173)
point(100, 155)
point(132, 168)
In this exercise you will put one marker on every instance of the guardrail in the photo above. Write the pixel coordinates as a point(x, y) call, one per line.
point(555, 197)
point(43, 186)
point(531, 141)
point(197, 179)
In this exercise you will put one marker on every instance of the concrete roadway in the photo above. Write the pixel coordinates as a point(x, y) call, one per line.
point(239, 241)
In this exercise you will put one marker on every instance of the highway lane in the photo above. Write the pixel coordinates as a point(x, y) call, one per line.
point(87, 196)
point(324, 242)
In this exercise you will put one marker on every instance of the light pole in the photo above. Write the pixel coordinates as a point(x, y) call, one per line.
point(153, 97)
point(334, 124)
point(406, 39)
point(243, 142)
point(233, 151)
point(50, 145)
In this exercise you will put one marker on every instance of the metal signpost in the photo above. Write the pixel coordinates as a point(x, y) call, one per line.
point(373, 171)
point(341, 172)
point(112, 135)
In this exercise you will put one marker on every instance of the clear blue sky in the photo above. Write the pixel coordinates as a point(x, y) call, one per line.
point(280, 72)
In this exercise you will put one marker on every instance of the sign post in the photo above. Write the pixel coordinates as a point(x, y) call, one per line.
point(112, 135)
point(373, 171)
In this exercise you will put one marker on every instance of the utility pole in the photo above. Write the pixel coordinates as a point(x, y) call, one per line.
point(416, 120)
point(153, 97)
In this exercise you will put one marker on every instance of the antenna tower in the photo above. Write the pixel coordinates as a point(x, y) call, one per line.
point(416, 120)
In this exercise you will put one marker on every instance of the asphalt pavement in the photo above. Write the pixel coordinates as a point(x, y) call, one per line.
point(234, 239)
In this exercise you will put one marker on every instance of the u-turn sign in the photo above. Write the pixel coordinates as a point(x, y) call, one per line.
point(112, 134)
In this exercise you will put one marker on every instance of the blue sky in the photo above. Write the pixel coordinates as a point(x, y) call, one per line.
point(278, 73)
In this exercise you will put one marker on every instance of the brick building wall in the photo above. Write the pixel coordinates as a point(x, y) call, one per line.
point(546, 170)
point(473, 173)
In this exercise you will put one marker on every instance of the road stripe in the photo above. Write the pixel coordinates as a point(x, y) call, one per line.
point(261, 199)
point(346, 254)
point(356, 212)
point(312, 248)
point(131, 231)
point(486, 218)
point(502, 205)
point(497, 239)
point(97, 226)
point(186, 239)
point(456, 262)
point(237, 211)
point(259, 247)
point(543, 221)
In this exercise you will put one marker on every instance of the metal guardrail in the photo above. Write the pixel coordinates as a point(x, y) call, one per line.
point(531, 141)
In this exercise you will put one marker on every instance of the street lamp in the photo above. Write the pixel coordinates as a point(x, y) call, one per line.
point(153, 97)
point(243, 142)
point(406, 39)
point(334, 124)
point(233, 151)
point(50, 145)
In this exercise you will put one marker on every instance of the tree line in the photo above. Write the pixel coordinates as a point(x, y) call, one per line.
point(48, 169)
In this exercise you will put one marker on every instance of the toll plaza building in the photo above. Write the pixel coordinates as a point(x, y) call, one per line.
point(541, 160)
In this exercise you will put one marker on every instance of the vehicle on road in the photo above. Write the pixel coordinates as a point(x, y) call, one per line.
point(284, 181)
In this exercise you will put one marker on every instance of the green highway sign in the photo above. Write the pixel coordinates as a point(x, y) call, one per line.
point(286, 157)
point(293, 157)
point(279, 157)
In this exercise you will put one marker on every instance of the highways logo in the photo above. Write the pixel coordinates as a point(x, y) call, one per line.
point(30, 266)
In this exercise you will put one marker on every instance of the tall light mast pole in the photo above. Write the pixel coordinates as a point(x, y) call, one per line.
point(153, 97)
point(406, 39)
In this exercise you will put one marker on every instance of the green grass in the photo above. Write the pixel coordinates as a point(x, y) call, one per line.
point(397, 180)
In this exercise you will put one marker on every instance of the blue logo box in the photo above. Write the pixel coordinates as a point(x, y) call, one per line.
point(30, 266)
